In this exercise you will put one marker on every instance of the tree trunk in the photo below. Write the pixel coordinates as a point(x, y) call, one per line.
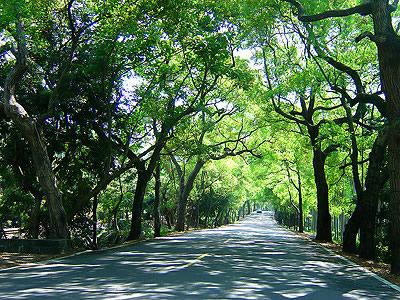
point(184, 193)
point(226, 221)
point(137, 206)
point(30, 131)
point(354, 223)
point(47, 181)
point(94, 212)
point(375, 180)
point(301, 214)
point(34, 221)
point(46, 177)
point(351, 229)
point(156, 208)
point(394, 206)
point(181, 214)
point(389, 64)
point(143, 177)
point(168, 220)
point(324, 231)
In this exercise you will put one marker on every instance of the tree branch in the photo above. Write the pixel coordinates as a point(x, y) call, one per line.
point(363, 9)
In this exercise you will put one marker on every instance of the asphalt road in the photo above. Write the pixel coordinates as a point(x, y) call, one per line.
point(254, 259)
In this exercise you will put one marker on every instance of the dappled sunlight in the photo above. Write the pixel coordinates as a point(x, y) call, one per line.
point(254, 259)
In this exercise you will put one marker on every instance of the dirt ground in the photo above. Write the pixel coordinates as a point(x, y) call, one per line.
point(8, 260)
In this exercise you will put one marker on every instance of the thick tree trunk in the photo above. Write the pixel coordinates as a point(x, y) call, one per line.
point(324, 231)
point(156, 208)
point(168, 219)
point(181, 214)
point(47, 181)
point(137, 205)
point(394, 206)
point(227, 214)
point(351, 229)
point(34, 221)
point(143, 177)
point(44, 171)
point(389, 63)
point(374, 183)
point(368, 226)
point(184, 195)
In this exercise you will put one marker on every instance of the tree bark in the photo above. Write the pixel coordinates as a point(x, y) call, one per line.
point(394, 206)
point(137, 205)
point(301, 214)
point(324, 230)
point(156, 208)
point(351, 229)
point(144, 174)
point(389, 63)
point(353, 225)
point(184, 192)
point(47, 181)
point(375, 180)
point(94, 212)
point(34, 221)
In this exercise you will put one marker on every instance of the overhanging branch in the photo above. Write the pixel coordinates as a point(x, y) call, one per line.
point(363, 9)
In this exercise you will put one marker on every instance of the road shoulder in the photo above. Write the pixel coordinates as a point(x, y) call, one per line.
point(378, 269)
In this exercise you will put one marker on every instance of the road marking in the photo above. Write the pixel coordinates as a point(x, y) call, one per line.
point(363, 269)
point(350, 262)
point(198, 259)
point(190, 263)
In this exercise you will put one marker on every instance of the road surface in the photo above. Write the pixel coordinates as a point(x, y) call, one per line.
point(253, 259)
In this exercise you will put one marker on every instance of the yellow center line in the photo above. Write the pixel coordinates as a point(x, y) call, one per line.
point(191, 262)
point(195, 260)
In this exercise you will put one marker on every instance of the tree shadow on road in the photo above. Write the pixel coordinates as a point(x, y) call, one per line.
point(235, 262)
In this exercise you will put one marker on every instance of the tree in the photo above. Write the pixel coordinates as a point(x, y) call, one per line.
point(388, 45)
point(31, 131)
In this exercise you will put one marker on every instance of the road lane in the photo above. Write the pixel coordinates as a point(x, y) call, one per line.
point(254, 259)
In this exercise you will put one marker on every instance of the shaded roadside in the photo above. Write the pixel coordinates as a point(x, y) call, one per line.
point(379, 268)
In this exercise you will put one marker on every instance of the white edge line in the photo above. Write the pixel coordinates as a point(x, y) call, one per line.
point(376, 276)
point(45, 262)
point(372, 274)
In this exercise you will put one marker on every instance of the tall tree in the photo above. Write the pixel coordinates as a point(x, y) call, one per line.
point(32, 132)
point(387, 42)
